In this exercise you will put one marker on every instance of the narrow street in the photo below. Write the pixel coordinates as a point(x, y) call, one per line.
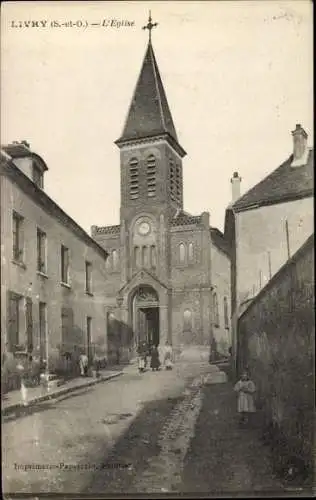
point(83, 428)
point(152, 433)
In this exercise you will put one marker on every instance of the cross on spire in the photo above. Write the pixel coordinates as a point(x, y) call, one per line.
point(149, 26)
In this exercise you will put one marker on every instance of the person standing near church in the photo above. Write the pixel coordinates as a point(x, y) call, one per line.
point(245, 403)
point(83, 363)
point(167, 356)
point(154, 362)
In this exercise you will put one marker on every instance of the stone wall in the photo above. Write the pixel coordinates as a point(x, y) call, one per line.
point(276, 342)
point(221, 286)
point(120, 342)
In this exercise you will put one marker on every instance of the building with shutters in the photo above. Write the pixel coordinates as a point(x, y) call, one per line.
point(52, 271)
point(168, 271)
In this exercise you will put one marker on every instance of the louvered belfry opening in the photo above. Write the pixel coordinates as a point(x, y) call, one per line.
point(151, 176)
point(134, 179)
point(174, 181)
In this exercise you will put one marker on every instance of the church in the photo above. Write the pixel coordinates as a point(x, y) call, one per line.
point(168, 272)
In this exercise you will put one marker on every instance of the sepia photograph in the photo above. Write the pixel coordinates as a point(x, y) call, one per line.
point(157, 249)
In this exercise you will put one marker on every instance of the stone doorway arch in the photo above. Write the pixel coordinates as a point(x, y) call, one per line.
point(145, 317)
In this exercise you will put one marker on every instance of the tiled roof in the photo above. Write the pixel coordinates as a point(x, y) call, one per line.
point(184, 219)
point(149, 112)
point(219, 240)
point(9, 169)
point(107, 229)
point(284, 183)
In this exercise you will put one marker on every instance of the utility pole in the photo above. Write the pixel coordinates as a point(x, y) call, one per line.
point(260, 279)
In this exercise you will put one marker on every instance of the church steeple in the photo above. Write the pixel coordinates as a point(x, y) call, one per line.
point(149, 113)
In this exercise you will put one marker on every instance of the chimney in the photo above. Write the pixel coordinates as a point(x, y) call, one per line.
point(235, 181)
point(300, 149)
point(25, 143)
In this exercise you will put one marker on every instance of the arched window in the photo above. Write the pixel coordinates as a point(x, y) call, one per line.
point(151, 176)
point(153, 256)
point(191, 252)
point(215, 309)
point(115, 259)
point(187, 320)
point(111, 324)
point(145, 256)
point(108, 263)
point(111, 316)
point(133, 179)
point(182, 252)
point(226, 313)
point(136, 257)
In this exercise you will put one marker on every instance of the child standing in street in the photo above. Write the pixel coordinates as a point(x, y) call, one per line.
point(245, 404)
point(168, 356)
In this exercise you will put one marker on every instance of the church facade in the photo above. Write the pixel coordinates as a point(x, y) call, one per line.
point(161, 280)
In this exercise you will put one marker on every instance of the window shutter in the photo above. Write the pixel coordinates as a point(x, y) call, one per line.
point(29, 323)
point(13, 321)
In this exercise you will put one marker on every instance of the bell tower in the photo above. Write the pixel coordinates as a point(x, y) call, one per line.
point(151, 168)
point(151, 156)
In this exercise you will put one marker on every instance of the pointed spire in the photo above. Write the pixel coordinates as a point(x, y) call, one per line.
point(149, 113)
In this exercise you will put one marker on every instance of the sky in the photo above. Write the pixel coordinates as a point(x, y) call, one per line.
point(238, 77)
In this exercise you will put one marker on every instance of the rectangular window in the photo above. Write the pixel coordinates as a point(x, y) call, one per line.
point(42, 329)
point(64, 264)
point(14, 321)
point(17, 235)
point(37, 176)
point(41, 251)
point(88, 277)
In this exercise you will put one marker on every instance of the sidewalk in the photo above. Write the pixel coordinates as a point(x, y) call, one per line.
point(13, 400)
point(224, 459)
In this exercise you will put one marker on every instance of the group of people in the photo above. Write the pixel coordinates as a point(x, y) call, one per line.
point(155, 354)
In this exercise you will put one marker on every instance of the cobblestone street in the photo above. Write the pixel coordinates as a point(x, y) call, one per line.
point(165, 432)
point(81, 430)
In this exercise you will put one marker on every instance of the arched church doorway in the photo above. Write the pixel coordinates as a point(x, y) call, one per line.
point(145, 315)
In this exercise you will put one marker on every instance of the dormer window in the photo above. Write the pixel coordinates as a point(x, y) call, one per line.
point(37, 176)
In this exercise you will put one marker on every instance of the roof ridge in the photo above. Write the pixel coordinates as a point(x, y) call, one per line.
point(134, 93)
point(156, 83)
point(283, 181)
